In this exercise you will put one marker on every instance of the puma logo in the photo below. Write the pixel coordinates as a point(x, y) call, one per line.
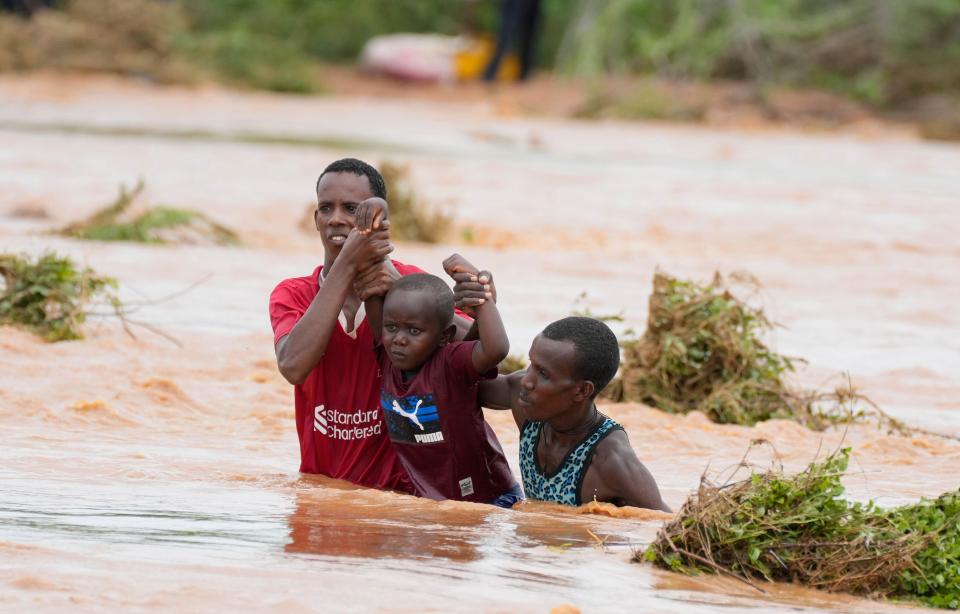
point(409, 415)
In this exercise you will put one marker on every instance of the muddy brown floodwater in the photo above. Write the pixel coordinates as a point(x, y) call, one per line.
point(139, 475)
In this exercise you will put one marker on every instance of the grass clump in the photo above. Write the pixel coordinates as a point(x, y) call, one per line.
point(241, 58)
point(881, 53)
point(51, 295)
point(799, 529)
point(116, 222)
point(703, 350)
point(410, 218)
point(935, 575)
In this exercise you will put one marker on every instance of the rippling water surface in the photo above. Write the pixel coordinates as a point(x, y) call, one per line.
point(137, 474)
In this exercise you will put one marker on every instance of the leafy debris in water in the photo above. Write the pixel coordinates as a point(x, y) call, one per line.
point(51, 296)
point(799, 529)
point(703, 350)
point(119, 222)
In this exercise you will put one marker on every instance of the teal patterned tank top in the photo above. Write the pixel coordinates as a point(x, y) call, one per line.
point(563, 485)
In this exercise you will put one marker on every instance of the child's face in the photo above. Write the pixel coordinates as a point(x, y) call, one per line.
point(411, 328)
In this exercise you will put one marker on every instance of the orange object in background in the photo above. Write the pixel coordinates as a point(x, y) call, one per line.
point(472, 60)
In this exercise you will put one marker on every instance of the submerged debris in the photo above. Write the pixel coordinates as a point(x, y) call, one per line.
point(703, 350)
point(119, 221)
point(799, 529)
point(51, 296)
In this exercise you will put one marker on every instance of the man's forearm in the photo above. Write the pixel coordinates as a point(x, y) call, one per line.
point(300, 351)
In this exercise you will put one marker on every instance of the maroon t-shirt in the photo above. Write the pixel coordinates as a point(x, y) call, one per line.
point(437, 427)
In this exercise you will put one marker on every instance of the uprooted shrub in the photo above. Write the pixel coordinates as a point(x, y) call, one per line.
point(703, 350)
point(799, 529)
point(120, 221)
point(51, 295)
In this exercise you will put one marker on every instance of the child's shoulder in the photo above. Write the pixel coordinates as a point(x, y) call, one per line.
point(458, 345)
point(453, 353)
point(452, 358)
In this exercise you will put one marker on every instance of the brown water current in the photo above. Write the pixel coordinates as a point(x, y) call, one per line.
point(136, 474)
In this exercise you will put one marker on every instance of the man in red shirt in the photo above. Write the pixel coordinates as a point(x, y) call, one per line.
point(323, 342)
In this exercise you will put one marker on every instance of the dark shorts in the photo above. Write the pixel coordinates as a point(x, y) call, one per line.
point(509, 498)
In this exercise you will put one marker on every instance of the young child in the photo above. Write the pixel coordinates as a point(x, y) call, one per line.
point(429, 396)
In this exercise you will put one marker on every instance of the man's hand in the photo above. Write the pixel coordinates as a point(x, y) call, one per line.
point(375, 280)
point(473, 287)
point(363, 251)
point(371, 215)
point(476, 294)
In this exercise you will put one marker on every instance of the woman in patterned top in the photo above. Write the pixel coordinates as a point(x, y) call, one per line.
point(570, 453)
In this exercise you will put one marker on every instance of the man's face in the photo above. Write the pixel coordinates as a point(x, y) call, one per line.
point(338, 195)
point(549, 386)
point(411, 328)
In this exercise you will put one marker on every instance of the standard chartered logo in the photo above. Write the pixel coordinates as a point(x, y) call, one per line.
point(319, 422)
point(346, 426)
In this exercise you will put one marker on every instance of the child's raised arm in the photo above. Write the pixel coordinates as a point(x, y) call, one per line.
point(374, 307)
point(370, 285)
point(493, 344)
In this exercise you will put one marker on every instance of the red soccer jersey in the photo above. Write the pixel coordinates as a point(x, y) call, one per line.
point(337, 413)
point(437, 427)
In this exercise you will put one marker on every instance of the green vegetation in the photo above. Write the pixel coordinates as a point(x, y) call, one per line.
point(51, 295)
point(899, 55)
point(240, 57)
point(935, 577)
point(703, 350)
point(156, 225)
point(799, 529)
point(266, 45)
point(880, 52)
point(333, 30)
point(133, 37)
point(410, 218)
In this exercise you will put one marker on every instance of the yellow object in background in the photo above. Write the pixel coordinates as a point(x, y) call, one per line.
point(470, 62)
